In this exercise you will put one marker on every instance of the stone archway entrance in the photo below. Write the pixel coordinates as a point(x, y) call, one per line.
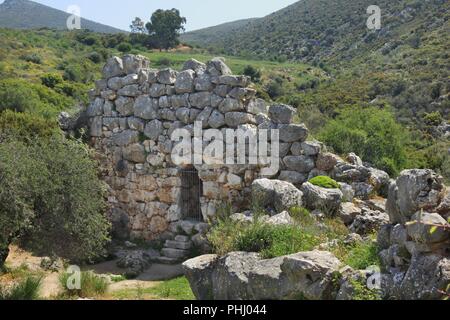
point(191, 191)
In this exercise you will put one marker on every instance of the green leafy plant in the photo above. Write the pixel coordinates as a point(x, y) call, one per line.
point(324, 182)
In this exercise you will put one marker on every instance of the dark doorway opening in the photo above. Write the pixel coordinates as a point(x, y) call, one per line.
point(191, 191)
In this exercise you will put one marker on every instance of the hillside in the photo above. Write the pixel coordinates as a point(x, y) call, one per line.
point(312, 29)
point(213, 35)
point(24, 14)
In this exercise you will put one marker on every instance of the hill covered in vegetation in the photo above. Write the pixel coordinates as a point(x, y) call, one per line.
point(24, 14)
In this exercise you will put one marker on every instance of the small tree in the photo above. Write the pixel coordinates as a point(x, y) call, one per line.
point(138, 26)
point(164, 28)
point(51, 199)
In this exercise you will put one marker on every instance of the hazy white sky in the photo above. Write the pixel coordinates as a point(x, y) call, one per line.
point(199, 13)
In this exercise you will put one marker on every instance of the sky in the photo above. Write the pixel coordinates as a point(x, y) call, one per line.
point(199, 13)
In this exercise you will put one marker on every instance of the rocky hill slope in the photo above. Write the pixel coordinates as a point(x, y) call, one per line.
point(24, 14)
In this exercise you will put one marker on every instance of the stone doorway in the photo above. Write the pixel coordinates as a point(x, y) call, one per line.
point(191, 191)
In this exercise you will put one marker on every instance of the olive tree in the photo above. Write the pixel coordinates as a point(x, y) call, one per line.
point(51, 199)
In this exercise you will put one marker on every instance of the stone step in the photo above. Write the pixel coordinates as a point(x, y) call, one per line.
point(178, 245)
point(167, 260)
point(174, 253)
point(182, 238)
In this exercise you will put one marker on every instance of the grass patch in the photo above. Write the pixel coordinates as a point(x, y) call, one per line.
point(362, 293)
point(91, 285)
point(175, 289)
point(274, 241)
point(26, 289)
point(359, 256)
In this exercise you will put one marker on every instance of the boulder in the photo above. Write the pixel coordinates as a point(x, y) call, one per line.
point(276, 194)
point(426, 274)
point(203, 82)
point(293, 177)
point(234, 119)
point(257, 106)
point(146, 108)
point(234, 81)
point(368, 222)
point(281, 113)
point(134, 63)
point(424, 228)
point(302, 164)
point(216, 120)
point(230, 104)
point(135, 153)
point(124, 105)
point(217, 67)
point(412, 191)
point(125, 138)
point(131, 90)
point(113, 68)
point(293, 132)
point(312, 274)
point(327, 161)
point(153, 129)
point(244, 276)
point(167, 76)
point(326, 200)
point(283, 218)
point(348, 212)
point(200, 99)
point(185, 82)
point(135, 262)
point(197, 66)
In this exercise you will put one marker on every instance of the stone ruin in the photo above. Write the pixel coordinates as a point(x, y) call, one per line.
point(134, 111)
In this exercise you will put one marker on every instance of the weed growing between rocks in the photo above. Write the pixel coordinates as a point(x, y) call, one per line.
point(275, 240)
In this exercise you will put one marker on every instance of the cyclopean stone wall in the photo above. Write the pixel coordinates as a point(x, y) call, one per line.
point(134, 110)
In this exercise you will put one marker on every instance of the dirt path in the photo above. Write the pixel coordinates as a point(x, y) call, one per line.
point(50, 286)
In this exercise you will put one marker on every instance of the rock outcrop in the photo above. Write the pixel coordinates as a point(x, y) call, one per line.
point(416, 244)
point(244, 276)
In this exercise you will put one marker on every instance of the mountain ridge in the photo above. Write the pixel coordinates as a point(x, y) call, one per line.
point(25, 14)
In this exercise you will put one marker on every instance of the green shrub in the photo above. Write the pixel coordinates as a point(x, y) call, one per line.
point(253, 73)
point(433, 118)
point(124, 47)
point(370, 132)
point(362, 255)
point(27, 289)
point(26, 126)
point(360, 291)
point(325, 182)
point(274, 89)
point(51, 199)
point(32, 57)
point(273, 241)
point(95, 57)
point(18, 96)
point(50, 80)
point(91, 285)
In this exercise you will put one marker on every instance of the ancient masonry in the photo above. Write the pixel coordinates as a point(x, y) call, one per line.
point(134, 111)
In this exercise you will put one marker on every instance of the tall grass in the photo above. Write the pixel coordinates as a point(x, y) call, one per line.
point(91, 285)
point(27, 289)
point(273, 241)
